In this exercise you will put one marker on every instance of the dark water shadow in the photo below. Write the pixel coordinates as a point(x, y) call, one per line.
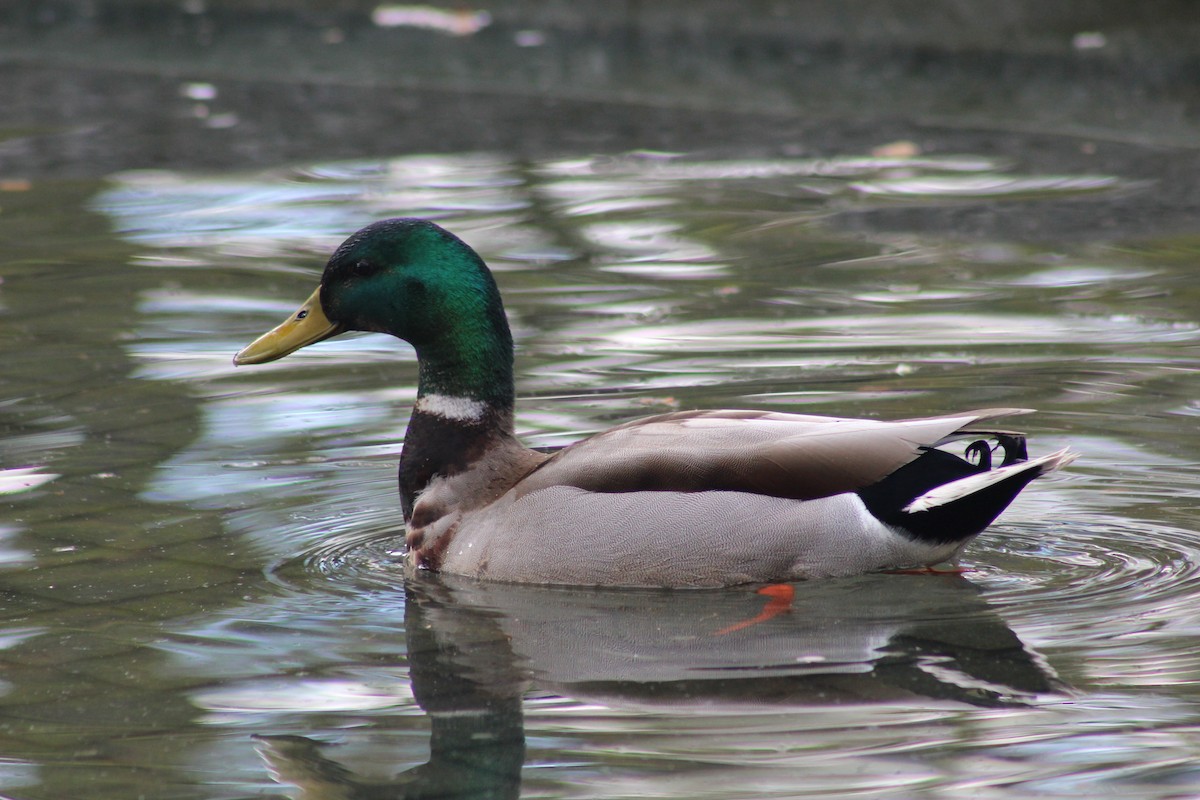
point(476, 649)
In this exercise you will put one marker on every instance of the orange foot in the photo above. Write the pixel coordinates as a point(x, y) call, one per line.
point(781, 596)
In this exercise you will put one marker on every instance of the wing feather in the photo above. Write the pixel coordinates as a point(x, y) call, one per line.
point(796, 456)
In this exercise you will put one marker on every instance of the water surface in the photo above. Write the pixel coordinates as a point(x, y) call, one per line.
point(201, 564)
point(200, 592)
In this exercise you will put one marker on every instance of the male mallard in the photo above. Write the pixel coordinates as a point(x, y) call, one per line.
point(693, 498)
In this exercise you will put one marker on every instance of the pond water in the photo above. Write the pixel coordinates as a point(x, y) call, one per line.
point(199, 564)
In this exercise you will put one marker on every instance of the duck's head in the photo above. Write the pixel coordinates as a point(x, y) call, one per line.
point(407, 277)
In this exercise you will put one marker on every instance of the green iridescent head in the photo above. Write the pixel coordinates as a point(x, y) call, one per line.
point(415, 280)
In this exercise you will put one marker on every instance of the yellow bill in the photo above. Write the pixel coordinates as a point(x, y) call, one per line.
point(307, 326)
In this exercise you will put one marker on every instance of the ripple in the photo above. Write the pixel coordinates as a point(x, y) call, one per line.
point(1123, 591)
point(985, 186)
point(1103, 563)
point(365, 553)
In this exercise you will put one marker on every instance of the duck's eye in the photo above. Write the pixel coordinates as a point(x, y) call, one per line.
point(302, 313)
point(364, 267)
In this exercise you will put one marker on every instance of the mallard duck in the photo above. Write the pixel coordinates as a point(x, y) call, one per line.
point(691, 498)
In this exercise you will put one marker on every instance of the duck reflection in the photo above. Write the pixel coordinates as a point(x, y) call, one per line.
point(475, 649)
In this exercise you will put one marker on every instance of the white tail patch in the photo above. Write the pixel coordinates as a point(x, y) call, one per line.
point(462, 409)
point(963, 487)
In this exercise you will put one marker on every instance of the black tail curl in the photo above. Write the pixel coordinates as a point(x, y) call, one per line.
point(959, 520)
